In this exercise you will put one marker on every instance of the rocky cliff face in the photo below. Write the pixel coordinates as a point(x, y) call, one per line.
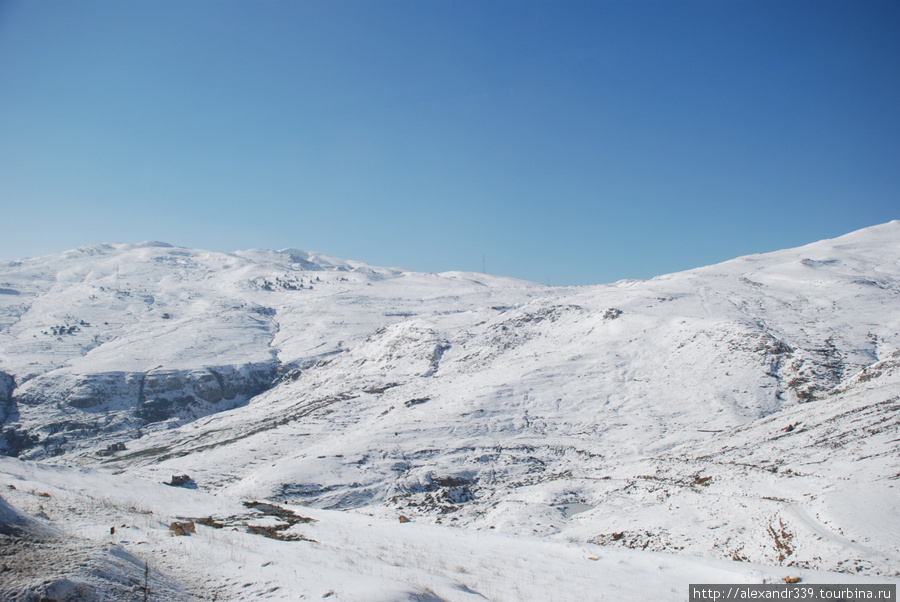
point(7, 385)
point(64, 411)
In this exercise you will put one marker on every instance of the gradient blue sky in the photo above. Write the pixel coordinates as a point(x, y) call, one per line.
point(565, 142)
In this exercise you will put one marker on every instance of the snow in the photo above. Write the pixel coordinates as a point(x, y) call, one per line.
point(354, 556)
point(733, 423)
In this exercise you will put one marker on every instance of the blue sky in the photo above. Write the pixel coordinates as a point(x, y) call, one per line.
point(563, 142)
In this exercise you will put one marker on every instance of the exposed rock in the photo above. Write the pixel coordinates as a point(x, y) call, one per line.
point(14, 440)
point(113, 448)
point(7, 386)
point(182, 481)
point(182, 528)
point(90, 405)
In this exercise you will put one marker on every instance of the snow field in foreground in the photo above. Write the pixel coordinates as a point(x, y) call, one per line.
point(353, 556)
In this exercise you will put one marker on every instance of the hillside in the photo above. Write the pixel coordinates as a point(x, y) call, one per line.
point(744, 412)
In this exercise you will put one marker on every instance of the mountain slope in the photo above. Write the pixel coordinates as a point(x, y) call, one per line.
point(250, 551)
point(739, 411)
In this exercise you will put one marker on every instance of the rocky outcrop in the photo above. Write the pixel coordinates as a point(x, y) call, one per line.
point(165, 392)
point(7, 385)
point(62, 410)
point(12, 439)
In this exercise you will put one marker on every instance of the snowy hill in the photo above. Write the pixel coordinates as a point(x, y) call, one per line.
point(743, 412)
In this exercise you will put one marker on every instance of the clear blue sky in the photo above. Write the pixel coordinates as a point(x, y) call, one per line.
point(569, 142)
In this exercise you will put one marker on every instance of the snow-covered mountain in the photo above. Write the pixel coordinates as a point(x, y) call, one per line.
point(746, 411)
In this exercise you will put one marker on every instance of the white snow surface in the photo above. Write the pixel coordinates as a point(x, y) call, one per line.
point(733, 423)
